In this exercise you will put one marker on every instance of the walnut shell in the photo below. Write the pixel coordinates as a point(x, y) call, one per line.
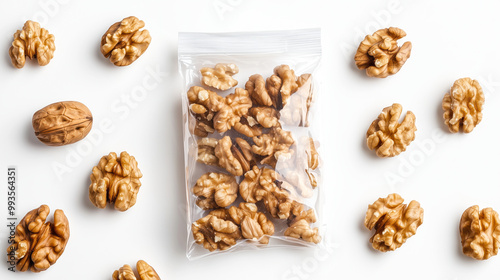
point(62, 123)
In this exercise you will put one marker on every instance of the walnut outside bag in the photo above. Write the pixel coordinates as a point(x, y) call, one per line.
point(251, 147)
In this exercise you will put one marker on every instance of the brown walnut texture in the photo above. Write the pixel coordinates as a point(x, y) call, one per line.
point(115, 180)
point(480, 232)
point(221, 76)
point(387, 136)
point(394, 222)
point(124, 42)
point(32, 42)
point(62, 123)
point(39, 244)
point(221, 228)
point(206, 151)
point(271, 146)
point(215, 190)
point(299, 224)
point(380, 54)
point(463, 105)
point(236, 106)
point(145, 271)
point(204, 104)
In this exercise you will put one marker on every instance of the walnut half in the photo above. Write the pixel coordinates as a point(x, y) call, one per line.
point(145, 271)
point(380, 54)
point(389, 137)
point(394, 222)
point(480, 232)
point(124, 42)
point(463, 105)
point(39, 244)
point(215, 190)
point(32, 42)
point(115, 180)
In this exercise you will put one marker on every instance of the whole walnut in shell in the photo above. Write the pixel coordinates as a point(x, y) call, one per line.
point(463, 105)
point(394, 222)
point(145, 271)
point(39, 244)
point(480, 232)
point(389, 137)
point(215, 190)
point(124, 42)
point(115, 180)
point(380, 54)
point(62, 123)
point(32, 42)
point(221, 76)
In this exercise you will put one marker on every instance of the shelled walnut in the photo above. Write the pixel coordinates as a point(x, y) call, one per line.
point(115, 180)
point(215, 190)
point(221, 76)
point(463, 105)
point(299, 224)
point(272, 145)
point(62, 123)
point(124, 42)
point(394, 222)
point(236, 159)
point(206, 151)
point(248, 126)
point(236, 106)
point(215, 232)
point(39, 244)
point(256, 87)
point(145, 271)
point(380, 54)
point(389, 137)
point(288, 82)
point(32, 42)
point(267, 117)
point(254, 224)
point(204, 104)
point(480, 232)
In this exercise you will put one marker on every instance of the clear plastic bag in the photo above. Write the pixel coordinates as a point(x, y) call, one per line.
point(297, 167)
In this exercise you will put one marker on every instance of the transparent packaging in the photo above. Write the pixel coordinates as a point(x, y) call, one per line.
point(297, 167)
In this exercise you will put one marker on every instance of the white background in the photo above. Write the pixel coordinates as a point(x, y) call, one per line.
point(445, 172)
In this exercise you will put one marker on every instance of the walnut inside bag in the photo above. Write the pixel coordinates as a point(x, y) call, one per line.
point(145, 271)
point(299, 224)
point(216, 231)
point(387, 135)
point(236, 159)
point(271, 146)
point(215, 190)
point(124, 42)
point(206, 151)
point(236, 106)
point(221, 76)
point(32, 42)
point(39, 244)
point(380, 54)
point(463, 105)
point(256, 87)
point(480, 232)
point(204, 104)
point(394, 222)
point(115, 180)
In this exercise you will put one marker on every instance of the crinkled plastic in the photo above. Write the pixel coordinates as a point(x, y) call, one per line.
point(299, 171)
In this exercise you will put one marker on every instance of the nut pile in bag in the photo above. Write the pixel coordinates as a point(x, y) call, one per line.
point(252, 153)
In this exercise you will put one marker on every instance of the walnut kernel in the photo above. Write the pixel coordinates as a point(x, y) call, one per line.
point(215, 190)
point(145, 271)
point(389, 137)
point(480, 232)
point(39, 244)
point(463, 105)
point(394, 222)
point(32, 42)
point(220, 77)
point(380, 54)
point(115, 180)
point(124, 42)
